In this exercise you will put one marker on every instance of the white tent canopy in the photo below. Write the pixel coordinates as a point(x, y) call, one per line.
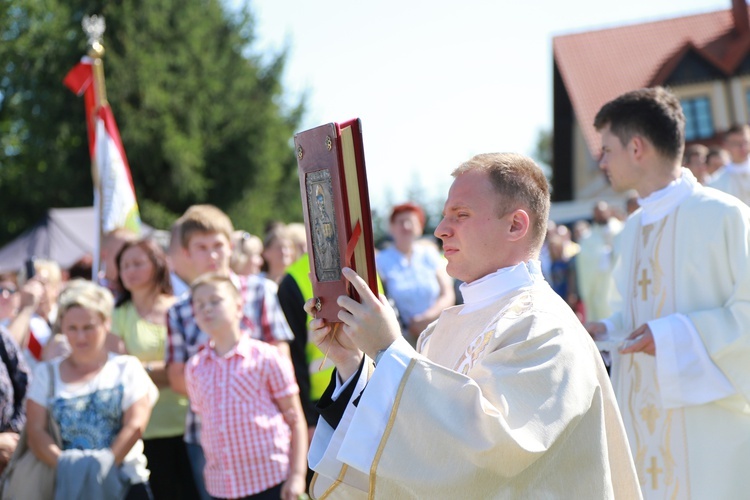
point(63, 235)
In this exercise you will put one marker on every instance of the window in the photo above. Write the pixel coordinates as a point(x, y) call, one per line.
point(698, 121)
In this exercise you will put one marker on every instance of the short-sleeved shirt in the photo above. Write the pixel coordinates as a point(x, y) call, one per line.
point(14, 379)
point(246, 439)
point(147, 341)
point(411, 281)
point(90, 413)
point(263, 319)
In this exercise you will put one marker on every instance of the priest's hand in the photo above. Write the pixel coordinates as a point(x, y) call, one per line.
point(641, 340)
point(596, 329)
point(334, 343)
point(372, 324)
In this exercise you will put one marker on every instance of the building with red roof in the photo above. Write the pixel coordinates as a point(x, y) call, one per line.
point(704, 59)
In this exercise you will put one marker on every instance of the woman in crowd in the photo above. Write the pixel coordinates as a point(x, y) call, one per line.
point(140, 319)
point(278, 252)
point(413, 272)
point(101, 402)
point(247, 254)
point(14, 378)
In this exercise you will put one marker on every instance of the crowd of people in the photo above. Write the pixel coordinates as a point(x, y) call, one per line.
point(195, 368)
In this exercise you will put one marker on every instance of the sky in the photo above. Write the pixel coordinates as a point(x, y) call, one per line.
point(434, 82)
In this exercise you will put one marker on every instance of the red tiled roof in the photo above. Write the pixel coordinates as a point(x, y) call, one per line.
point(597, 66)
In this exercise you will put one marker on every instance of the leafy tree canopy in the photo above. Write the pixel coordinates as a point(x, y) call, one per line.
point(202, 117)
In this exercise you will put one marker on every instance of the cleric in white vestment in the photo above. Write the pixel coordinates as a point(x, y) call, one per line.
point(505, 396)
point(683, 377)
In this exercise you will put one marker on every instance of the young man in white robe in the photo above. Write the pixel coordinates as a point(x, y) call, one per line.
point(505, 396)
point(735, 176)
point(682, 377)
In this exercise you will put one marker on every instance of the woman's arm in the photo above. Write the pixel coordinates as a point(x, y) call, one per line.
point(157, 370)
point(134, 422)
point(295, 485)
point(8, 443)
point(445, 299)
point(40, 442)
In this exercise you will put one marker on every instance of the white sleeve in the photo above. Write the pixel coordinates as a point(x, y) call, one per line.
point(374, 408)
point(326, 442)
point(39, 388)
point(370, 419)
point(687, 375)
point(136, 384)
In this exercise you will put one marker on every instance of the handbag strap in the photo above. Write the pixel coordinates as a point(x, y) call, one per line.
point(51, 391)
point(52, 426)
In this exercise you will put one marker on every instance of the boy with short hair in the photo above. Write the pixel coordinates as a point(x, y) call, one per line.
point(205, 234)
point(255, 437)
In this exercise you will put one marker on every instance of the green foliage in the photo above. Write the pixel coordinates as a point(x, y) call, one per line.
point(202, 118)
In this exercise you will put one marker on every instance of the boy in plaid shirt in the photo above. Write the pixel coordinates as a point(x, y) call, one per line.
point(254, 434)
point(205, 234)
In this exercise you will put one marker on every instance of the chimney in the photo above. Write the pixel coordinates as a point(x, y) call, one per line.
point(739, 13)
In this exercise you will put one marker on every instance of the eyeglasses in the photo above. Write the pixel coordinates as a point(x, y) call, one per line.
point(9, 291)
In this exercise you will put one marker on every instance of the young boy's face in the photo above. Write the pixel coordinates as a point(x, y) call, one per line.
point(216, 308)
point(209, 253)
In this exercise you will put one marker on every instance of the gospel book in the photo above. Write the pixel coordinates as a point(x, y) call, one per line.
point(336, 205)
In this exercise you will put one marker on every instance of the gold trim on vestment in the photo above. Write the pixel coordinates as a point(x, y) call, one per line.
point(389, 426)
point(333, 486)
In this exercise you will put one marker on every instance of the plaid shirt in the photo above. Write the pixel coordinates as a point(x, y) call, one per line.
point(246, 440)
point(263, 319)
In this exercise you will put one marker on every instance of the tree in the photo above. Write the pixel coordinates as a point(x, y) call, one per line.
point(202, 117)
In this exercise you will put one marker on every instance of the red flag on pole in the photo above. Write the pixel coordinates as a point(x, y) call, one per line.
point(114, 195)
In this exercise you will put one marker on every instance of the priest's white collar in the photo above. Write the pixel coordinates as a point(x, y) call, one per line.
point(487, 289)
point(738, 168)
point(661, 203)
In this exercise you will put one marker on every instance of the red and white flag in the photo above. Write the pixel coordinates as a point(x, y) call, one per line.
point(115, 204)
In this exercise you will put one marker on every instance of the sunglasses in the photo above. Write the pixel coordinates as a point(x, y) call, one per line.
point(10, 291)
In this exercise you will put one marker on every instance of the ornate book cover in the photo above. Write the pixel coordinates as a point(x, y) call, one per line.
point(336, 205)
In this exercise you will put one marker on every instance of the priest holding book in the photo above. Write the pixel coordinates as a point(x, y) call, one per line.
point(504, 396)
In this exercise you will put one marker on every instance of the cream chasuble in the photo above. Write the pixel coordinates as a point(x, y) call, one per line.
point(507, 398)
point(657, 435)
point(734, 180)
point(685, 270)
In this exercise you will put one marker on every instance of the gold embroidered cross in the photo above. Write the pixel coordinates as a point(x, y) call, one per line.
point(654, 471)
point(644, 283)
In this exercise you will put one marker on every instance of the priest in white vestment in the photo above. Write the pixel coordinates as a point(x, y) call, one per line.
point(682, 376)
point(734, 178)
point(505, 396)
point(595, 261)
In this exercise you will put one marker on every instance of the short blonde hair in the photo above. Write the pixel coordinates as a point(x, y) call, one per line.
point(215, 279)
point(52, 268)
point(518, 182)
point(87, 295)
